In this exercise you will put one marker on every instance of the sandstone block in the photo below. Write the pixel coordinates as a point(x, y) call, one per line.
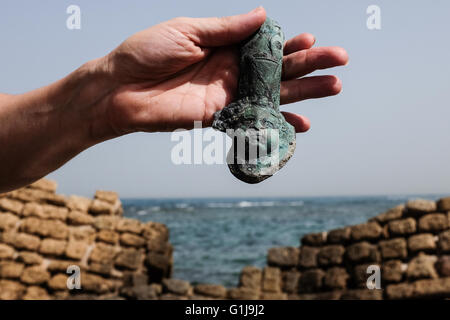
point(132, 240)
point(61, 265)
point(421, 242)
point(129, 225)
point(243, 293)
point(108, 236)
point(76, 249)
point(58, 282)
point(311, 280)
point(392, 271)
point(421, 267)
point(101, 268)
point(360, 275)
point(103, 253)
point(336, 278)
point(21, 240)
point(106, 222)
point(251, 277)
point(362, 294)
point(6, 252)
point(420, 206)
point(283, 257)
point(432, 288)
point(100, 207)
point(77, 203)
point(308, 256)
point(29, 258)
point(107, 196)
point(35, 275)
point(444, 241)
point(36, 293)
point(290, 281)
point(443, 266)
point(400, 291)
point(10, 269)
point(53, 247)
point(443, 205)
point(273, 296)
point(339, 236)
point(434, 223)
point(393, 249)
point(129, 258)
point(79, 218)
point(314, 239)
point(271, 279)
point(331, 255)
point(155, 231)
point(159, 266)
point(11, 290)
point(44, 184)
point(45, 228)
point(95, 283)
point(8, 221)
point(82, 233)
point(391, 214)
point(402, 227)
point(158, 246)
point(11, 205)
point(362, 252)
point(176, 286)
point(366, 231)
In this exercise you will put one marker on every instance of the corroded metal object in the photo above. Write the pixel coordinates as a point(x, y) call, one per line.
point(254, 119)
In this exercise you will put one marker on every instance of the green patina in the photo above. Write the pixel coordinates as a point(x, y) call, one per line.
point(256, 111)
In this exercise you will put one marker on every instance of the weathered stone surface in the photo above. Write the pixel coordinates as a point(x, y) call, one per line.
point(61, 265)
point(443, 204)
point(8, 221)
point(443, 266)
point(159, 266)
point(100, 207)
point(10, 269)
point(393, 249)
point(11, 290)
point(251, 277)
point(11, 205)
point(360, 275)
point(392, 271)
point(314, 239)
point(53, 247)
point(366, 231)
point(273, 296)
point(271, 279)
point(420, 206)
point(103, 253)
point(108, 236)
point(432, 288)
point(129, 225)
point(106, 222)
point(402, 227)
point(82, 233)
point(444, 241)
point(35, 275)
point(176, 286)
point(392, 214)
point(243, 293)
point(155, 231)
point(339, 236)
point(283, 257)
point(129, 258)
point(77, 203)
point(422, 242)
point(36, 293)
point(37, 195)
point(21, 240)
point(76, 249)
point(308, 257)
point(434, 222)
point(141, 292)
point(6, 252)
point(48, 211)
point(331, 295)
point(58, 282)
point(290, 281)
point(311, 280)
point(101, 268)
point(130, 239)
point(79, 218)
point(45, 228)
point(362, 294)
point(211, 290)
point(336, 278)
point(362, 252)
point(158, 246)
point(95, 283)
point(330, 255)
point(29, 258)
point(400, 291)
point(107, 196)
point(422, 266)
point(44, 184)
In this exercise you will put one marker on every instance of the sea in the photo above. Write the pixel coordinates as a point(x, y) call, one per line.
point(214, 239)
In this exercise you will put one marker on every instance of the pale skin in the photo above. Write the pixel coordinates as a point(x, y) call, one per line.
point(160, 79)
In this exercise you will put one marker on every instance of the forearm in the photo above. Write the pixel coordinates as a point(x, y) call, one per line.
point(42, 129)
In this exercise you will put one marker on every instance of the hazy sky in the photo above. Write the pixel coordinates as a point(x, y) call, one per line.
point(388, 132)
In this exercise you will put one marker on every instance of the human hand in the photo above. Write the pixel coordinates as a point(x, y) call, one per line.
point(186, 69)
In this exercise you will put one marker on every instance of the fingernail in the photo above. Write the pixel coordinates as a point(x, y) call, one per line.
point(256, 9)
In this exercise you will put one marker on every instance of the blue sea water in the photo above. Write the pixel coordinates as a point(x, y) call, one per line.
point(214, 239)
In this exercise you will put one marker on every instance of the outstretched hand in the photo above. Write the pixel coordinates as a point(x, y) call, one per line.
point(185, 69)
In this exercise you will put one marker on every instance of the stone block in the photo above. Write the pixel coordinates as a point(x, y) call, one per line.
point(8, 221)
point(106, 222)
point(391, 214)
point(421, 267)
point(271, 279)
point(10, 269)
point(392, 271)
point(362, 252)
point(311, 280)
point(362, 294)
point(422, 242)
point(330, 255)
point(176, 286)
point(103, 253)
point(339, 236)
point(76, 249)
point(129, 259)
point(402, 227)
point(35, 275)
point(129, 225)
point(314, 239)
point(393, 248)
point(36, 293)
point(82, 233)
point(290, 281)
point(58, 282)
point(79, 218)
point(336, 278)
point(29, 258)
point(45, 185)
point(108, 236)
point(11, 290)
point(283, 257)
point(443, 204)
point(366, 231)
point(434, 223)
point(53, 247)
point(159, 266)
point(443, 266)
point(251, 277)
point(243, 293)
point(308, 257)
point(132, 240)
point(21, 240)
point(6, 251)
point(418, 207)
point(444, 241)
point(77, 203)
point(11, 205)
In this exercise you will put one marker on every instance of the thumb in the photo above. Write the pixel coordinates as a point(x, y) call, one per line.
point(212, 32)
